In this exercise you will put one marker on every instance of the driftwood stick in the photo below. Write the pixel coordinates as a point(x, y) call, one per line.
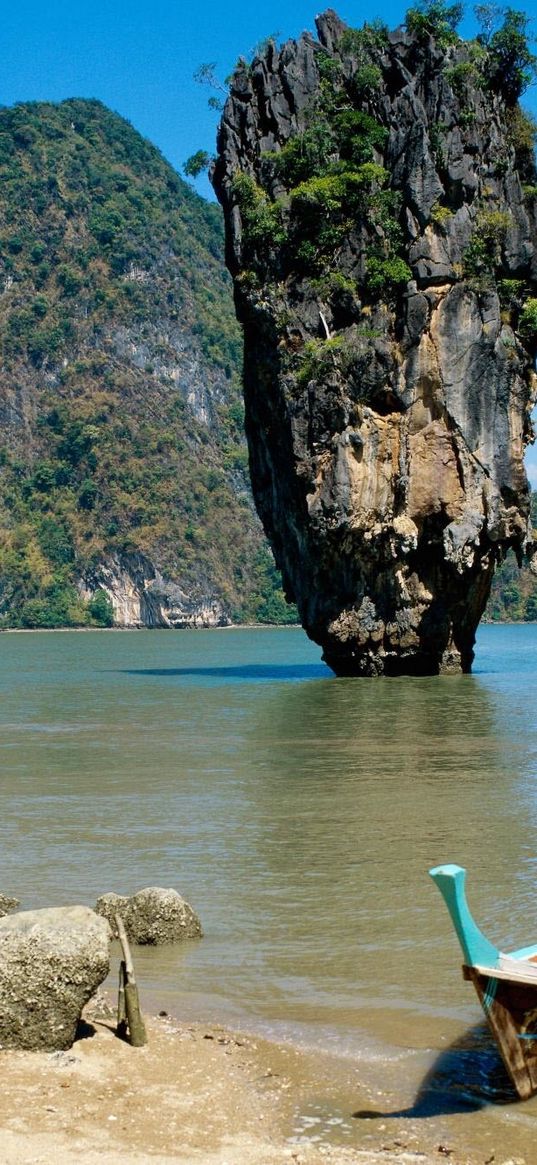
point(122, 935)
point(121, 1009)
point(134, 1016)
point(135, 1022)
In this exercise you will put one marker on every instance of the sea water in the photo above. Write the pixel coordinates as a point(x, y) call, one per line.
point(297, 812)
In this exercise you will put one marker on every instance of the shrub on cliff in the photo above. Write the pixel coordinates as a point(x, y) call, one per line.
point(435, 18)
point(511, 64)
point(101, 610)
point(528, 322)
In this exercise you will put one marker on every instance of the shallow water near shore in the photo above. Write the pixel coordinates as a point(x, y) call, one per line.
point(299, 814)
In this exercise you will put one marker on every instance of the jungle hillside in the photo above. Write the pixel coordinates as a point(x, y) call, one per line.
point(122, 457)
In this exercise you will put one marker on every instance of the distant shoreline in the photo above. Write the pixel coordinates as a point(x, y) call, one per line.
point(179, 630)
point(227, 627)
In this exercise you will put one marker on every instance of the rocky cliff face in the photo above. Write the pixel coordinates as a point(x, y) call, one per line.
point(142, 597)
point(382, 249)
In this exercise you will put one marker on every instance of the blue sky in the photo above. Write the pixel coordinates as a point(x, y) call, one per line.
point(139, 58)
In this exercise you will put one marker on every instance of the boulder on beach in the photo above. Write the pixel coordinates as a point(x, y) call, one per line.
point(153, 916)
point(51, 963)
point(7, 904)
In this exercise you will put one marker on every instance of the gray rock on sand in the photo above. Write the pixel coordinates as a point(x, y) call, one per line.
point(7, 904)
point(51, 963)
point(153, 916)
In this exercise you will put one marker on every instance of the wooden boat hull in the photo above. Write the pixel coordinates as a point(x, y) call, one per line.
point(511, 1011)
point(506, 983)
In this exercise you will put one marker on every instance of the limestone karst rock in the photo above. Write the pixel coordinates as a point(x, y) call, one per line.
point(382, 249)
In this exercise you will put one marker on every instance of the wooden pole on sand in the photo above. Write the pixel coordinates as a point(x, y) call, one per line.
point(128, 1011)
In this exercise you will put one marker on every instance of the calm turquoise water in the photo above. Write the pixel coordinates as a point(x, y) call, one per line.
point(298, 813)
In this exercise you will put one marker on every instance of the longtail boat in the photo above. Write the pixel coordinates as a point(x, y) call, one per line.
point(506, 984)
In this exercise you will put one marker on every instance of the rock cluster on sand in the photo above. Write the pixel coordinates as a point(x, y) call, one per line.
point(152, 916)
point(7, 904)
point(51, 963)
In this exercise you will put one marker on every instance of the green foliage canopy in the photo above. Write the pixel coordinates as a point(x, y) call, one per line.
point(435, 18)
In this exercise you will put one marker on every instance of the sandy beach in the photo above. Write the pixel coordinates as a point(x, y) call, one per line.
point(199, 1095)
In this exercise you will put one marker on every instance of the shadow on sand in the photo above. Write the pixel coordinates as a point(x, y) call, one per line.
point(467, 1076)
point(85, 1030)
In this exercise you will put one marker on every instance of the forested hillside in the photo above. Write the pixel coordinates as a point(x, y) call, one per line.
point(513, 597)
point(123, 470)
point(124, 490)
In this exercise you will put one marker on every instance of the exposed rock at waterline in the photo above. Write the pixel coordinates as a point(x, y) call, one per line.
point(383, 251)
point(153, 916)
point(142, 597)
point(51, 963)
point(7, 904)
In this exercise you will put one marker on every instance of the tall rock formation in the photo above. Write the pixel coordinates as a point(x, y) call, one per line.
point(382, 246)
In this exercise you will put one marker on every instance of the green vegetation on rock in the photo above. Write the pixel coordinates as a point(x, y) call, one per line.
point(333, 178)
point(500, 58)
point(435, 18)
point(510, 66)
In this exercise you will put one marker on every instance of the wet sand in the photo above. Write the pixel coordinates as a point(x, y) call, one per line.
point(204, 1096)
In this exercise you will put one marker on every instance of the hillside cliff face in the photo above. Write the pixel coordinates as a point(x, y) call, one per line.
point(383, 254)
point(123, 486)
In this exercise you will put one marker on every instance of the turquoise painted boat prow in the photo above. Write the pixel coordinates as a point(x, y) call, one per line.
point(476, 948)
